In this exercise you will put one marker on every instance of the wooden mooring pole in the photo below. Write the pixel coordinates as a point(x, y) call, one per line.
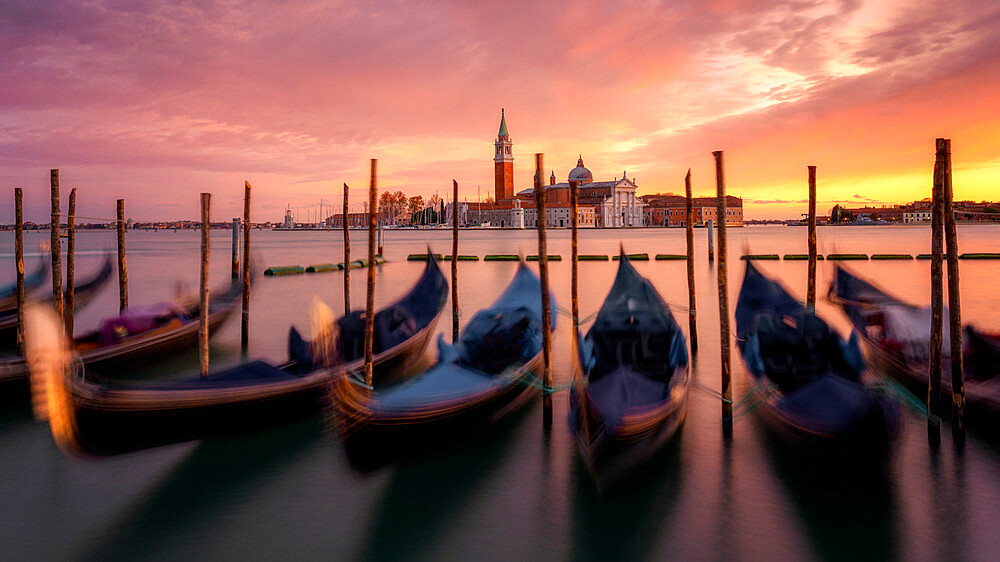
point(574, 252)
point(19, 262)
point(454, 262)
point(206, 200)
point(236, 248)
point(57, 289)
point(370, 305)
point(727, 383)
point(70, 268)
point(954, 300)
point(245, 327)
point(689, 235)
point(347, 256)
point(122, 271)
point(811, 278)
point(937, 298)
point(711, 249)
point(543, 276)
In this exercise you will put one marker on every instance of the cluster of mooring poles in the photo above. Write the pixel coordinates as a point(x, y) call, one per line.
point(63, 298)
point(943, 235)
point(943, 224)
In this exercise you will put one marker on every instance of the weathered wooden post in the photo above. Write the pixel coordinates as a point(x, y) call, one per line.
point(954, 300)
point(206, 199)
point(70, 268)
point(543, 276)
point(19, 259)
point(245, 328)
point(370, 306)
point(811, 277)
point(122, 271)
point(380, 234)
point(574, 297)
point(727, 383)
point(689, 234)
point(454, 262)
point(57, 289)
point(347, 256)
point(937, 296)
point(711, 250)
point(236, 247)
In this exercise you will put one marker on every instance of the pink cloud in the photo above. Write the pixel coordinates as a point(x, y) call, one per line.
point(156, 101)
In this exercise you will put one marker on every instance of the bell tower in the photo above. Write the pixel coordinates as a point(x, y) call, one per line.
point(503, 163)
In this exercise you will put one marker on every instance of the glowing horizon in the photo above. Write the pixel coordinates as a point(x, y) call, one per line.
point(158, 102)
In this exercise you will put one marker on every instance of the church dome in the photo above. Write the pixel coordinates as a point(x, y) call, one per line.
point(580, 173)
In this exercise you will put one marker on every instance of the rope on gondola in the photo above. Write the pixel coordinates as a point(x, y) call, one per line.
point(535, 382)
point(748, 404)
point(567, 313)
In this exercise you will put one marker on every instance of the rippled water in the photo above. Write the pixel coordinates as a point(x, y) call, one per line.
point(513, 492)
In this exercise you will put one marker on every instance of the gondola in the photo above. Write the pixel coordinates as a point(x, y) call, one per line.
point(32, 281)
point(809, 381)
point(140, 335)
point(633, 393)
point(83, 293)
point(475, 382)
point(897, 338)
point(93, 415)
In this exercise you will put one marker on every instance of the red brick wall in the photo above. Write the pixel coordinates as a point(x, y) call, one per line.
point(504, 180)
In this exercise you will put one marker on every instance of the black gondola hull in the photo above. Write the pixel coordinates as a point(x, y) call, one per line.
point(382, 441)
point(611, 460)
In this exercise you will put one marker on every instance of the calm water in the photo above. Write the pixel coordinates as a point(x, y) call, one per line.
point(513, 492)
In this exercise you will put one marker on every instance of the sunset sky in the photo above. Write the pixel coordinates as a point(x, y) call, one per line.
point(156, 101)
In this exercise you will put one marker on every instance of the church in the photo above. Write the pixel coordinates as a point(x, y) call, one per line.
point(600, 204)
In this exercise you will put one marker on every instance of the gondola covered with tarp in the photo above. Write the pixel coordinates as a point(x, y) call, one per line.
point(809, 380)
point(633, 393)
point(91, 414)
point(476, 381)
point(140, 335)
point(897, 337)
point(83, 293)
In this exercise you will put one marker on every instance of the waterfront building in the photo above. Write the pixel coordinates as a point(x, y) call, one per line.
point(671, 210)
point(603, 204)
point(917, 216)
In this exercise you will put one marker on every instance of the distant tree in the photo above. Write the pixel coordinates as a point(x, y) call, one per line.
point(416, 203)
point(385, 202)
point(990, 209)
point(489, 200)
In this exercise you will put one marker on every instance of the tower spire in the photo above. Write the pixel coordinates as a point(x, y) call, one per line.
point(503, 125)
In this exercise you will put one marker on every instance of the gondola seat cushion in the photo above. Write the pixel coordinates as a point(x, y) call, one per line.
point(645, 346)
point(624, 388)
point(393, 326)
point(831, 405)
point(495, 339)
point(137, 320)
point(796, 348)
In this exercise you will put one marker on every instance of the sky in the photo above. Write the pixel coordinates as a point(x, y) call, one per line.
point(156, 101)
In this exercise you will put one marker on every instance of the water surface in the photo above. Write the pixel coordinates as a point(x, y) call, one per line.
point(512, 492)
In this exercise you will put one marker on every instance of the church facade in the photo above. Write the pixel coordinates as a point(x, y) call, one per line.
point(601, 204)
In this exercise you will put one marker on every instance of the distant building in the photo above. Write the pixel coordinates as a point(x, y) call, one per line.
point(910, 217)
point(604, 204)
point(671, 210)
point(289, 219)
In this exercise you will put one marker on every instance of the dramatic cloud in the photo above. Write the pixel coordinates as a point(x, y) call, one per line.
point(156, 101)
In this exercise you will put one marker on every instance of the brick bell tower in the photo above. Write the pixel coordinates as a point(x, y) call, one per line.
point(503, 163)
